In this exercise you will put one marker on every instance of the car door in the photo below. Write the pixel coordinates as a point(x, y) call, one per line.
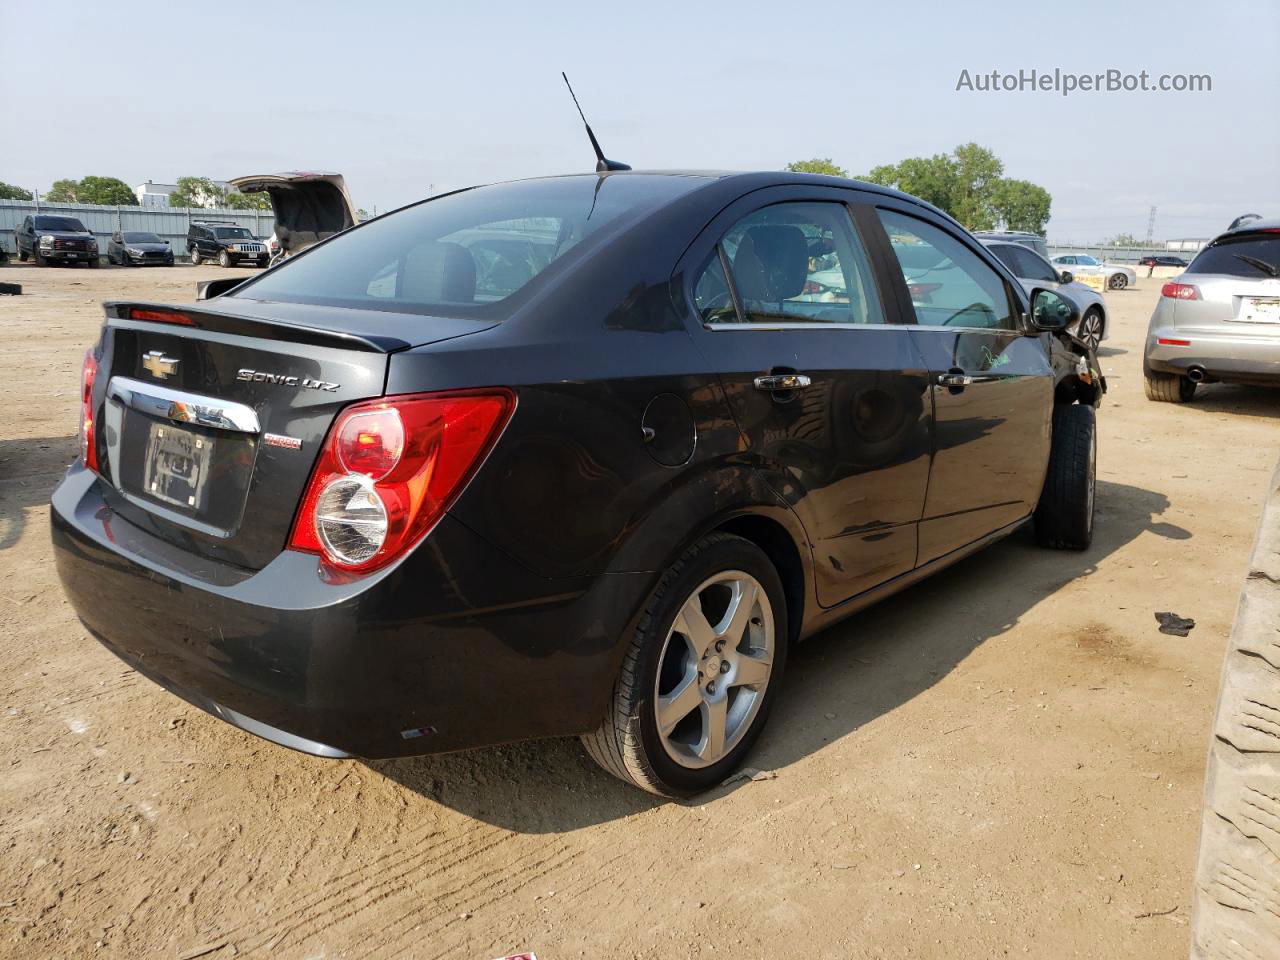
point(992, 384)
point(831, 398)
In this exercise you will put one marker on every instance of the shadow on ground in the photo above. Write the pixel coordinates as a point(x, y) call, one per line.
point(1236, 399)
point(857, 670)
point(29, 470)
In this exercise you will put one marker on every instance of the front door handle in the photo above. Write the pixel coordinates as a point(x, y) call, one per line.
point(964, 379)
point(783, 381)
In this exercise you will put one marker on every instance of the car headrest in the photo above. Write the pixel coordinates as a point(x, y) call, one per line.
point(439, 273)
point(771, 263)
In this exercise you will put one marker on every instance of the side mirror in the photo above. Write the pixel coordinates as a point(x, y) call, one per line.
point(208, 289)
point(1065, 276)
point(1051, 312)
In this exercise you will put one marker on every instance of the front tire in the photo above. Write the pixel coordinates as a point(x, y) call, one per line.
point(1168, 387)
point(22, 255)
point(1064, 515)
point(224, 259)
point(195, 256)
point(1091, 329)
point(700, 674)
point(1118, 282)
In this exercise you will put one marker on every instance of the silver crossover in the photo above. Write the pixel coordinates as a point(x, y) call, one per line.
point(1220, 319)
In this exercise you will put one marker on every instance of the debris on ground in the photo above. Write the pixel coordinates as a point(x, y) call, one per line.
point(1174, 625)
point(749, 774)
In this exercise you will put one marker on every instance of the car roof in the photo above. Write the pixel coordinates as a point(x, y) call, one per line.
point(757, 179)
point(1252, 226)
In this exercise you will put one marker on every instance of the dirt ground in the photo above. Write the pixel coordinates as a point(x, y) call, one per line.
point(1004, 760)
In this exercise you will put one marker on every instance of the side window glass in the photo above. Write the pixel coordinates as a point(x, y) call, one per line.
point(711, 294)
point(1036, 267)
point(796, 263)
point(950, 285)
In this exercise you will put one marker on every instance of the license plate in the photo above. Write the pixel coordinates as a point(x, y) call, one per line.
point(1260, 310)
point(176, 465)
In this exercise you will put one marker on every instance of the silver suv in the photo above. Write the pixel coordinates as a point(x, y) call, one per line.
point(1220, 319)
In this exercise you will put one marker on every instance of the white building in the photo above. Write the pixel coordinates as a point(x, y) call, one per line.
point(152, 194)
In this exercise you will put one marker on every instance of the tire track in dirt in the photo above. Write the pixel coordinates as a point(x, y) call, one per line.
point(367, 885)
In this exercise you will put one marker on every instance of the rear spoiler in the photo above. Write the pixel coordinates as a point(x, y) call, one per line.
point(132, 313)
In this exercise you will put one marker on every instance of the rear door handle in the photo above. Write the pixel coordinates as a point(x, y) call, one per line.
point(783, 381)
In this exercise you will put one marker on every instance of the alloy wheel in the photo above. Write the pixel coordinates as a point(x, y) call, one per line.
point(714, 669)
point(1091, 329)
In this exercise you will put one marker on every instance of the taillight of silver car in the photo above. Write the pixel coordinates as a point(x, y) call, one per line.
point(389, 470)
point(88, 374)
point(1180, 291)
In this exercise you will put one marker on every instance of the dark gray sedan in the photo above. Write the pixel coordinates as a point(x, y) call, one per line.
point(136, 249)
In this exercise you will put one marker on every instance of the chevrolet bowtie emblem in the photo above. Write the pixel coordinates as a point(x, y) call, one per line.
point(158, 365)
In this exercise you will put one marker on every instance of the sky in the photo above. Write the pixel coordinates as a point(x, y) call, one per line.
point(406, 99)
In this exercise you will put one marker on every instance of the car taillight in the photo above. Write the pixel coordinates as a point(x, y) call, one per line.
point(922, 292)
point(388, 471)
point(1180, 291)
point(88, 373)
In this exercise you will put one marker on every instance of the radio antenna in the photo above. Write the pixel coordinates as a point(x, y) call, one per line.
point(603, 164)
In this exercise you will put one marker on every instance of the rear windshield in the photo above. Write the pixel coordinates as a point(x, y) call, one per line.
point(462, 253)
point(1252, 255)
point(59, 223)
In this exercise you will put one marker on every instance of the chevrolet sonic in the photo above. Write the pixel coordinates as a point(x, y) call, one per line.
point(580, 455)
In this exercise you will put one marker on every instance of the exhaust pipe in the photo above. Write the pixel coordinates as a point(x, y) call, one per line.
point(1196, 374)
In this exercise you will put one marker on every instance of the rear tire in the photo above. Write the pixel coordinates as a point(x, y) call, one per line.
point(1064, 516)
point(1118, 282)
point(1168, 387)
point(662, 659)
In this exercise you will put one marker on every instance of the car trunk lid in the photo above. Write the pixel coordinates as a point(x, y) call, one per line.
point(211, 417)
point(309, 207)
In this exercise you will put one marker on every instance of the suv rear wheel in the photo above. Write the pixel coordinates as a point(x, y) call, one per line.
point(1168, 387)
point(700, 674)
point(1064, 515)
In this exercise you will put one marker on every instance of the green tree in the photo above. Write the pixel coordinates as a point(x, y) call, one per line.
point(1125, 240)
point(968, 184)
point(63, 191)
point(197, 192)
point(1021, 205)
point(248, 201)
point(104, 191)
point(362, 215)
point(821, 165)
point(9, 192)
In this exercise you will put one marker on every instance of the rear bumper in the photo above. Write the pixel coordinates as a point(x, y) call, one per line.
point(456, 647)
point(1229, 356)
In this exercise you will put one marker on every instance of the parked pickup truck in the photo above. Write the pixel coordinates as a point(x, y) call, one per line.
point(52, 239)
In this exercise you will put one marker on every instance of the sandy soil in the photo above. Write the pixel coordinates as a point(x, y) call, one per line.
point(1004, 760)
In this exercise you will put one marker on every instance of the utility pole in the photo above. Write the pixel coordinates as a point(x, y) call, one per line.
point(1151, 225)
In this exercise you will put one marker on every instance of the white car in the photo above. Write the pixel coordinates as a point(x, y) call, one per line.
point(1083, 265)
